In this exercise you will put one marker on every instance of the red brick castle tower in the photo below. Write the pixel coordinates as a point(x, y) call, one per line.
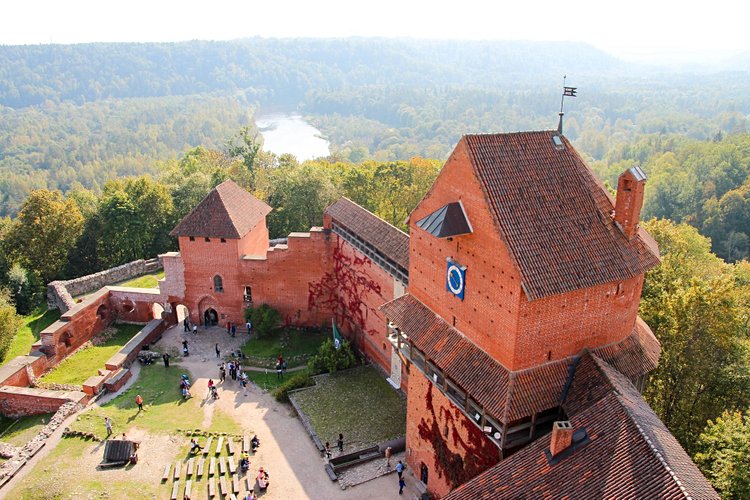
point(522, 270)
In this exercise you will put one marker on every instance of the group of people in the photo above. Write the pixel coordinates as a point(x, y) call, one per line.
point(339, 445)
point(235, 373)
point(185, 386)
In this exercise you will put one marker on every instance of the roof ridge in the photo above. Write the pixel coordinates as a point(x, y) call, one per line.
point(618, 393)
point(363, 208)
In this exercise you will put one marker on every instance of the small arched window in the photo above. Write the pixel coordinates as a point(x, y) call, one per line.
point(218, 284)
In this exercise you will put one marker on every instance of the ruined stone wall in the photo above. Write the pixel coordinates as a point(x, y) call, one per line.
point(60, 293)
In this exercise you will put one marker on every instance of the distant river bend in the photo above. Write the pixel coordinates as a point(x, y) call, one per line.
point(290, 133)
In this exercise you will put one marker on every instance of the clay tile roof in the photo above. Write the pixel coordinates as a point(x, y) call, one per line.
point(631, 453)
point(553, 214)
point(387, 239)
point(228, 211)
point(503, 394)
point(636, 355)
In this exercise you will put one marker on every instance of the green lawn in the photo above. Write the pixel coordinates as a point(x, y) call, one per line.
point(269, 380)
point(29, 332)
point(20, 431)
point(145, 281)
point(84, 363)
point(165, 410)
point(358, 403)
point(294, 344)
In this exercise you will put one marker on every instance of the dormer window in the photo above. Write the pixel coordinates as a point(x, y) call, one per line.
point(218, 284)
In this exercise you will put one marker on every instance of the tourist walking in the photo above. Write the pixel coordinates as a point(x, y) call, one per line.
point(165, 357)
point(222, 373)
point(340, 443)
point(401, 485)
point(400, 468)
point(234, 329)
point(195, 328)
point(218, 351)
point(108, 425)
point(388, 458)
point(139, 402)
point(186, 325)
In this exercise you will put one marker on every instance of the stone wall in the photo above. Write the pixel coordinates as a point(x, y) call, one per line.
point(60, 293)
point(23, 401)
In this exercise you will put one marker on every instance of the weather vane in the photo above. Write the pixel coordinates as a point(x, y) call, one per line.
point(567, 92)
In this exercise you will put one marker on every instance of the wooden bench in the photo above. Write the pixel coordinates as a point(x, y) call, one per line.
point(230, 445)
point(223, 485)
point(191, 463)
point(212, 467)
point(208, 445)
point(175, 488)
point(188, 490)
point(232, 465)
point(222, 466)
point(249, 484)
point(212, 487)
point(200, 467)
point(165, 476)
point(219, 445)
point(177, 467)
point(246, 444)
point(235, 483)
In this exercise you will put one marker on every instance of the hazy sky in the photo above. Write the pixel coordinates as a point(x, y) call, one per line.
point(630, 29)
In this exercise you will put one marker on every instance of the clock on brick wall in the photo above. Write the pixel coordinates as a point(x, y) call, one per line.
point(455, 279)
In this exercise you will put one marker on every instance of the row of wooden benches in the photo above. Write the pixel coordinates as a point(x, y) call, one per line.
point(230, 445)
point(224, 465)
point(223, 487)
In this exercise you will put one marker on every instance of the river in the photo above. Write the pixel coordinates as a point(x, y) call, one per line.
point(290, 133)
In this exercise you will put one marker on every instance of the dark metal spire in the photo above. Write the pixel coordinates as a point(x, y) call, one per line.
point(567, 92)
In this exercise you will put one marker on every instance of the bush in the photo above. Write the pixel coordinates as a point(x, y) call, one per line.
point(298, 381)
point(264, 318)
point(24, 288)
point(329, 359)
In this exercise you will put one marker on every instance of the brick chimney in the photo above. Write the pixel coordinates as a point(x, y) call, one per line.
point(562, 437)
point(629, 200)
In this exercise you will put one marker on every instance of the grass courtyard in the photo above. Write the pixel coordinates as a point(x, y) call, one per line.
point(165, 410)
point(19, 431)
point(70, 471)
point(85, 362)
point(294, 344)
point(145, 281)
point(358, 403)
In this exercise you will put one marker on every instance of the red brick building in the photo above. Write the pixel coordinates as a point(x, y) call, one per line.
point(512, 306)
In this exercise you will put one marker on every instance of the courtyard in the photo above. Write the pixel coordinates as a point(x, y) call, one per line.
point(67, 467)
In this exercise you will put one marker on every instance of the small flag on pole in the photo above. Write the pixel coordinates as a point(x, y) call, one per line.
point(336, 335)
point(570, 91)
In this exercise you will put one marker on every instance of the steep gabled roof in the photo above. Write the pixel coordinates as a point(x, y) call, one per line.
point(631, 453)
point(553, 214)
point(228, 211)
point(387, 239)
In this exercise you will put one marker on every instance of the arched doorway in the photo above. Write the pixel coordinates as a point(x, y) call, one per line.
point(182, 313)
point(210, 317)
point(156, 311)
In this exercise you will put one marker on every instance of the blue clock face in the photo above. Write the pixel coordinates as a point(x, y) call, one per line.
point(456, 279)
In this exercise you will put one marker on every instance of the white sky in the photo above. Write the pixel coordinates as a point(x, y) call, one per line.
point(632, 29)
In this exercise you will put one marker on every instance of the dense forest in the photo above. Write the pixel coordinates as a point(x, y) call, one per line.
point(104, 147)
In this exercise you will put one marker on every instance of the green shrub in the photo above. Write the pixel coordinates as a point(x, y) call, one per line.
point(329, 359)
point(298, 381)
point(265, 319)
